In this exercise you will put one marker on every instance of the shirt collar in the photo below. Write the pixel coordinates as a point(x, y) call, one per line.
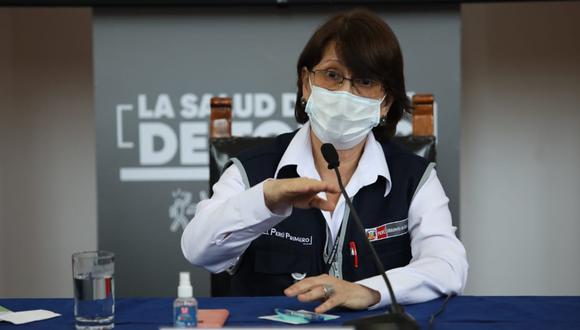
point(371, 164)
point(299, 153)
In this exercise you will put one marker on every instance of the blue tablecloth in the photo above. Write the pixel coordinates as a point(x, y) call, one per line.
point(462, 312)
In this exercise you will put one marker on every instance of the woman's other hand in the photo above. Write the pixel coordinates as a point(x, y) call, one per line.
point(337, 293)
point(279, 194)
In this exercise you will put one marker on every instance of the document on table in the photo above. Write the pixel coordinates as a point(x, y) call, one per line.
point(25, 316)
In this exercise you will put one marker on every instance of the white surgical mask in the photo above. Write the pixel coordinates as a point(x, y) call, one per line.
point(341, 118)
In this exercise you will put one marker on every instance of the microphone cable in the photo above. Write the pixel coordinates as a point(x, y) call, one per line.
point(440, 311)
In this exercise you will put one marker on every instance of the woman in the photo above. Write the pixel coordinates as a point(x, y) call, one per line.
point(277, 221)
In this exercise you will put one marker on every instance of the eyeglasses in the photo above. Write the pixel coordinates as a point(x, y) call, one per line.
point(332, 80)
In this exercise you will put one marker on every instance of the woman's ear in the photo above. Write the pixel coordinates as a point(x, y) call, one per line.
point(305, 76)
point(385, 106)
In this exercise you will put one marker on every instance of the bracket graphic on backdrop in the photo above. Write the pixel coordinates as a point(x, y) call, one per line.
point(170, 132)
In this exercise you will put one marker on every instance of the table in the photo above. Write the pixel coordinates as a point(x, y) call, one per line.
point(463, 312)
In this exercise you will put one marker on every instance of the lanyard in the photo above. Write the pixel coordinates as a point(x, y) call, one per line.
point(328, 263)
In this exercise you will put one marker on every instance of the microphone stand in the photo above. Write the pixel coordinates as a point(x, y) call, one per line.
point(397, 318)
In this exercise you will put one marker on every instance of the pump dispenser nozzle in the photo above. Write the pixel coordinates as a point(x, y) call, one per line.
point(184, 290)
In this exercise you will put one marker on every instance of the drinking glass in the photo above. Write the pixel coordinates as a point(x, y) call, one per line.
point(94, 290)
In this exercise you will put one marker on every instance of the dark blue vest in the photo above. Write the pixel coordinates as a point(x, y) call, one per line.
point(298, 243)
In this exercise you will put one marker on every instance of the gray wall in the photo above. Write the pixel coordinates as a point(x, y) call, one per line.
point(5, 92)
point(520, 148)
point(47, 173)
point(176, 52)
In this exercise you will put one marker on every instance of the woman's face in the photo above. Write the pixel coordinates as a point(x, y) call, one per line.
point(331, 61)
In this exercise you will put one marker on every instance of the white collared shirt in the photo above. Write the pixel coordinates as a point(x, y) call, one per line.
point(225, 225)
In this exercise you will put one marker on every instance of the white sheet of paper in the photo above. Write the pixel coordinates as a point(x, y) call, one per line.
point(28, 316)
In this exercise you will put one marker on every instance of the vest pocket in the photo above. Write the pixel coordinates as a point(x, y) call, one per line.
point(281, 262)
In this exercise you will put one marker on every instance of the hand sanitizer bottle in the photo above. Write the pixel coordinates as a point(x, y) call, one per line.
point(185, 306)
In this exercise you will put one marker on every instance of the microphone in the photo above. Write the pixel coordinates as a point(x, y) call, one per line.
point(397, 318)
point(331, 156)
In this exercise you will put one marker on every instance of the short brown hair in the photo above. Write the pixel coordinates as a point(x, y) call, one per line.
point(370, 49)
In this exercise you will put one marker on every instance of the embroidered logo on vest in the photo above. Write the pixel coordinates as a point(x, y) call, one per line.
point(304, 240)
point(388, 230)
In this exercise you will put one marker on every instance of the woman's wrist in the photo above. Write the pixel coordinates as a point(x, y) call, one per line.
point(374, 296)
point(273, 203)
